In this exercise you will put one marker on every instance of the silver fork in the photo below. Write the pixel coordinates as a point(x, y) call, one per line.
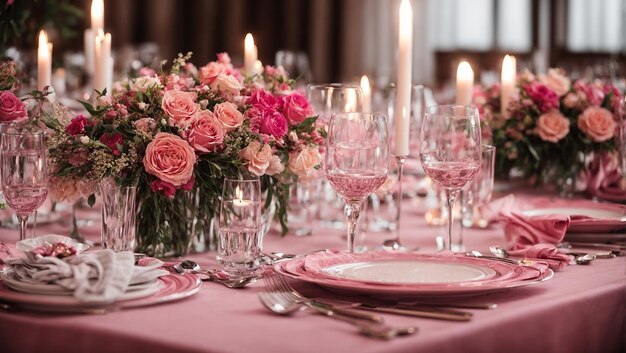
point(279, 303)
point(277, 283)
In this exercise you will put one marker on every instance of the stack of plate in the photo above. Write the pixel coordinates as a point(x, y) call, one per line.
point(411, 274)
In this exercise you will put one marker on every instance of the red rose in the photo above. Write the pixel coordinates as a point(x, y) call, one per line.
point(297, 108)
point(77, 125)
point(112, 141)
point(11, 108)
point(166, 188)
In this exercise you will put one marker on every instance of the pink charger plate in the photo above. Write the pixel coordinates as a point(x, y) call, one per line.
point(170, 288)
point(585, 215)
point(523, 276)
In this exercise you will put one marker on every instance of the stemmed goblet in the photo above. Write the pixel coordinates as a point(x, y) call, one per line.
point(450, 150)
point(24, 171)
point(357, 161)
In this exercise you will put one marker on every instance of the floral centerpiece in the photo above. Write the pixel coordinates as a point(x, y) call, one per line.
point(554, 129)
point(176, 135)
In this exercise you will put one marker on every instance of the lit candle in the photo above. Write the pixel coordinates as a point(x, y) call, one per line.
point(250, 55)
point(509, 72)
point(351, 101)
point(97, 25)
point(44, 61)
point(367, 94)
point(403, 89)
point(464, 84)
point(97, 16)
point(239, 201)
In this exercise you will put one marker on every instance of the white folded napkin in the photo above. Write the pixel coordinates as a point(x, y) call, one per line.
point(97, 276)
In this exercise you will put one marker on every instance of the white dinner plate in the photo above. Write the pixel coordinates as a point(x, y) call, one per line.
point(410, 272)
point(579, 211)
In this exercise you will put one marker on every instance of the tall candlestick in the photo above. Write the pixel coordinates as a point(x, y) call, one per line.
point(44, 61)
point(509, 72)
point(403, 89)
point(250, 55)
point(88, 42)
point(464, 83)
point(366, 88)
point(97, 16)
point(103, 74)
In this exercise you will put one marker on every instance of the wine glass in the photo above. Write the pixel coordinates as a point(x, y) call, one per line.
point(239, 240)
point(24, 171)
point(330, 98)
point(357, 161)
point(450, 150)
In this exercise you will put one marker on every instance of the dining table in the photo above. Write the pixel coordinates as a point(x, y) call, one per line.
point(581, 309)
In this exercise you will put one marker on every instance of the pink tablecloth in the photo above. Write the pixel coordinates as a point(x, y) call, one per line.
point(582, 309)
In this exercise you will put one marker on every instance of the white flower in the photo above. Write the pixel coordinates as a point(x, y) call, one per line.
point(143, 83)
point(293, 136)
point(142, 105)
point(84, 140)
point(204, 103)
point(163, 122)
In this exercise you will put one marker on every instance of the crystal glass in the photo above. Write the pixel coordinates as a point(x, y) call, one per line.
point(119, 215)
point(239, 238)
point(326, 100)
point(296, 63)
point(24, 171)
point(481, 188)
point(450, 151)
point(357, 161)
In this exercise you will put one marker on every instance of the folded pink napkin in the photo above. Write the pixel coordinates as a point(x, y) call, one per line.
point(546, 253)
point(522, 231)
point(603, 178)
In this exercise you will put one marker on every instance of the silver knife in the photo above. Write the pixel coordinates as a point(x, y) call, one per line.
point(430, 313)
point(326, 307)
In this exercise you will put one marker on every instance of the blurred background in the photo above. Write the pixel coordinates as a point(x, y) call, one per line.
point(340, 40)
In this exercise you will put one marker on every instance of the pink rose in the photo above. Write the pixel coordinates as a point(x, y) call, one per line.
point(303, 163)
point(77, 125)
point(180, 107)
point(166, 188)
point(206, 133)
point(228, 116)
point(296, 108)
point(170, 158)
point(264, 100)
point(571, 100)
point(179, 82)
point(145, 125)
point(257, 157)
point(272, 123)
point(147, 71)
point(543, 96)
point(552, 126)
point(209, 72)
point(223, 58)
point(592, 94)
point(597, 123)
point(113, 141)
point(11, 108)
point(557, 82)
point(275, 166)
point(227, 84)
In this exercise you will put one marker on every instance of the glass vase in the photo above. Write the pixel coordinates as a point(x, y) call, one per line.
point(118, 215)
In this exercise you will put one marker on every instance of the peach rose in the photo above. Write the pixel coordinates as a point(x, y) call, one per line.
point(206, 133)
point(552, 126)
point(169, 158)
point(209, 72)
point(303, 163)
point(180, 107)
point(275, 166)
point(571, 100)
point(257, 157)
point(597, 123)
point(227, 84)
point(228, 116)
point(557, 82)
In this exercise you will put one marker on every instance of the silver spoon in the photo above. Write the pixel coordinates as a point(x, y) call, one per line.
point(584, 259)
point(381, 331)
point(478, 254)
point(499, 251)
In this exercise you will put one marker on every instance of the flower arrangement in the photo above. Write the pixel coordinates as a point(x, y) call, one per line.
point(553, 128)
point(176, 135)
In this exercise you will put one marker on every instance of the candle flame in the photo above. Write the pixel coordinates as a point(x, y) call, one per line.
point(464, 72)
point(509, 68)
point(406, 19)
point(43, 50)
point(365, 86)
point(97, 9)
point(249, 43)
point(238, 194)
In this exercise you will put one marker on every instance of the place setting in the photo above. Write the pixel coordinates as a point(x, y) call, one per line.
point(371, 179)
